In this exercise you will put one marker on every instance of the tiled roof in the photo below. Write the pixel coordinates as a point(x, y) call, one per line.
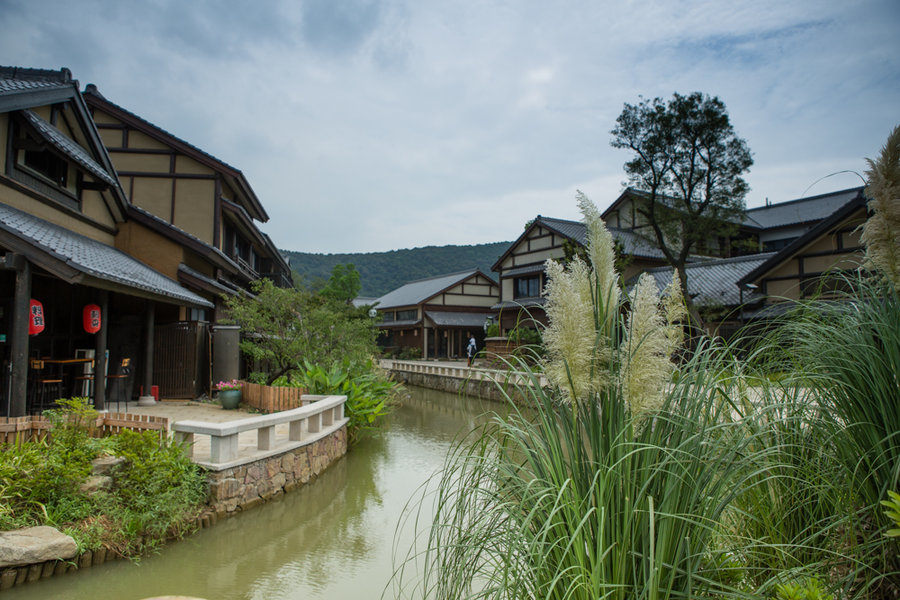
point(714, 282)
point(416, 292)
point(94, 258)
point(632, 243)
point(15, 79)
point(68, 147)
point(458, 319)
point(802, 210)
point(396, 324)
point(22, 88)
point(523, 303)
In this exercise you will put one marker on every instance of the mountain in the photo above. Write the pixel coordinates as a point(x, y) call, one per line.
point(381, 272)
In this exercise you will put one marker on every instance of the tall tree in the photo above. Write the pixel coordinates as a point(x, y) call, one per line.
point(344, 284)
point(688, 168)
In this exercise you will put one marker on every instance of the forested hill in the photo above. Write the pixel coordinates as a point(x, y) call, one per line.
point(381, 272)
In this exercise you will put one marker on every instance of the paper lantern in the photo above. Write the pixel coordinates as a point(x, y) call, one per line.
point(91, 318)
point(36, 317)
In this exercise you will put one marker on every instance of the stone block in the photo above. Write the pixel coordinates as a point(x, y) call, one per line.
point(255, 502)
point(278, 481)
point(8, 578)
point(49, 567)
point(34, 545)
point(106, 465)
point(227, 488)
point(287, 462)
point(34, 573)
point(96, 483)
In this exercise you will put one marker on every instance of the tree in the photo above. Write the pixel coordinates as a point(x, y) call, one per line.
point(687, 168)
point(344, 284)
point(283, 328)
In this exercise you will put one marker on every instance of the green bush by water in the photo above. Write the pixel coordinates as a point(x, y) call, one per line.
point(157, 492)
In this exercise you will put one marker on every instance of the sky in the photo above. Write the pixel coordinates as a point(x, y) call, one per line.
point(367, 125)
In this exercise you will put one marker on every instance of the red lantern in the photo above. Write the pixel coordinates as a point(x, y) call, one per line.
point(91, 318)
point(36, 317)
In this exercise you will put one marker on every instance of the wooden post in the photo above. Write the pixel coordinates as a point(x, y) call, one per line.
point(19, 343)
point(149, 324)
point(100, 354)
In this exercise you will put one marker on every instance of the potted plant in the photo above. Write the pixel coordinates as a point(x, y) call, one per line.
point(229, 393)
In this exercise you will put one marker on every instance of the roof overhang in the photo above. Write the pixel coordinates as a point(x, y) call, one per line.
point(107, 268)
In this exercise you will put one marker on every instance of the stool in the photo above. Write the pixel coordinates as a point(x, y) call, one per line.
point(45, 389)
point(120, 379)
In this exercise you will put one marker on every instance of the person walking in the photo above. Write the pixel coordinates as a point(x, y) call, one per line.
point(471, 349)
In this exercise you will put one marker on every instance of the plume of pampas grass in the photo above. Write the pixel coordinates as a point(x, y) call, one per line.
point(675, 311)
point(646, 366)
point(575, 353)
point(601, 250)
point(881, 232)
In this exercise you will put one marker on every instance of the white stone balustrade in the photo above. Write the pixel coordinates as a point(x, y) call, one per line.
point(460, 372)
point(319, 417)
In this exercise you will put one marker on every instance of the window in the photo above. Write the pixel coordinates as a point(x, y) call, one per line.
point(407, 315)
point(387, 316)
point(49, 165)
point(527, 287)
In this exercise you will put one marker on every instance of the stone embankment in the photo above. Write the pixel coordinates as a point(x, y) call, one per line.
point(457, 378)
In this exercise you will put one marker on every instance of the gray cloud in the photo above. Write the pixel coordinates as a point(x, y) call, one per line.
point(370, 125)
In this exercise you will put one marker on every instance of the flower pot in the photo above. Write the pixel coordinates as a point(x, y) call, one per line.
point(229, 399)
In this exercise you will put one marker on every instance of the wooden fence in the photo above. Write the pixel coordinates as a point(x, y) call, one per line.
point(268, 399)
point(34, 427)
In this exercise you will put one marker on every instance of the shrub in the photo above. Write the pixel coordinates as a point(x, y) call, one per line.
point(369, 394)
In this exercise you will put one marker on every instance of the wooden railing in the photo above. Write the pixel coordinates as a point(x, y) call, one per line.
point(269, 399)
point(320, 416)
point(34, 427)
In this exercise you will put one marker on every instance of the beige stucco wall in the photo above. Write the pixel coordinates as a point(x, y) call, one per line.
point(528, 258)
point(60, 217)
point(195, 207)
point(111, 138)
point(144, 163)
point(186, 164)
point(153, 194)
point(149, 247)
point(136, 139)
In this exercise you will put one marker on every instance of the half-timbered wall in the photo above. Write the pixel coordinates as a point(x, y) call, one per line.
point(162, 181)
point(802, 274)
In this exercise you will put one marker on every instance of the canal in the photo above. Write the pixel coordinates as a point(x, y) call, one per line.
point(331, 539)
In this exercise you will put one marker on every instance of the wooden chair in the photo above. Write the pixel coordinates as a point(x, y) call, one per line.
point(118, 382)
point(46, 388)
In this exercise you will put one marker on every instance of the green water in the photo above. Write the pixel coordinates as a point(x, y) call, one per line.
point(331, 539)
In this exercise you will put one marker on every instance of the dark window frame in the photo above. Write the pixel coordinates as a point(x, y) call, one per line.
point(528, 286)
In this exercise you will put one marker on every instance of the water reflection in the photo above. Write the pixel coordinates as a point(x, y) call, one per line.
point(332, 539)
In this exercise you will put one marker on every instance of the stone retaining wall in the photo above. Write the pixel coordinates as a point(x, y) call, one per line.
point(484, 388)
point(245, 486)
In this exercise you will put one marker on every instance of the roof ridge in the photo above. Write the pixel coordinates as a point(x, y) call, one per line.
point(858, 188)
point(717, 261)
point(472, 270)
point(64, 75)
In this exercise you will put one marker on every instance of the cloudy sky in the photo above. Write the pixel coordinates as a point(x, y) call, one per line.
point(367, 125)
